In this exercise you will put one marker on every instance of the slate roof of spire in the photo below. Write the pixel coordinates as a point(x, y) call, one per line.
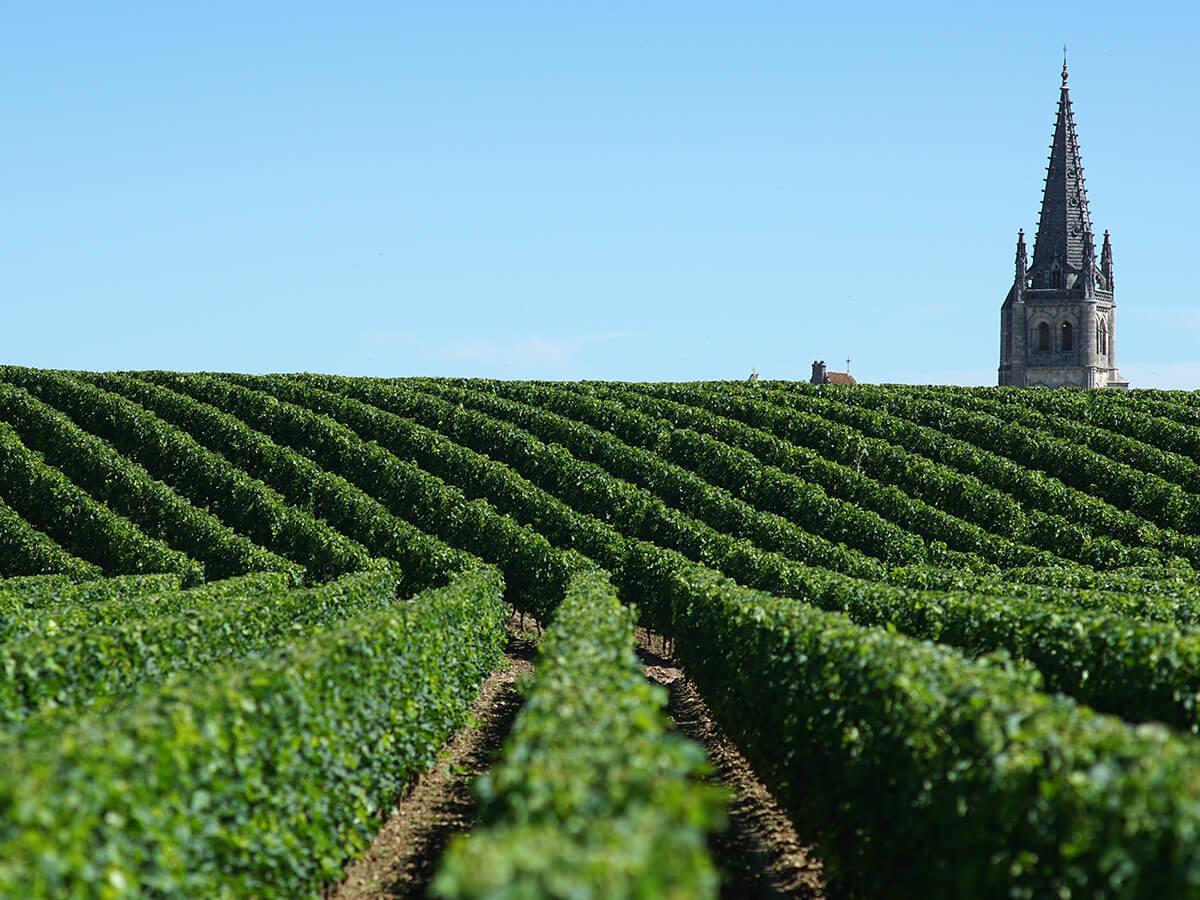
point(1065, 225)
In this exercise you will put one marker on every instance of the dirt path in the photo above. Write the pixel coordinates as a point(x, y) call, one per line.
point(759, 853)
point(404, 856)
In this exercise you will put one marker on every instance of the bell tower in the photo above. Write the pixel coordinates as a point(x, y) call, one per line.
point(1058, 322)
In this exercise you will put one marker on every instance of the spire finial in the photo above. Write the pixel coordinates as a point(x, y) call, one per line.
point(1064, 71)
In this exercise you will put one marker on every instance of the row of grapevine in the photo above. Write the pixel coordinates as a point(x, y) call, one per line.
point(536, 573)
point(128, 489)
point(593, 489)
point(1005, 790)
point(989, 492)
point(30, 589)
point(126, 598)
point(1139, 670)
point(422, 560)
point(24, 549)
point(587, 489)
point(899, 623)
point(50, 502)
point(1157, 682)
point(33, 603)
point(1148, 496)
point(1180, 408)
point(1171, 582)
point(285, 760)
point(73, 666)
point(847, 482)
point(205, 478)
point(591, 774)
point(796, 507)
point(476, 474)
point(1081, 517)
point(1174, 467)
point(1155, 601)
point(1151, 422)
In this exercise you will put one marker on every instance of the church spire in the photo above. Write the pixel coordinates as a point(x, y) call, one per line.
point(1058, 319)
point(1065, 224)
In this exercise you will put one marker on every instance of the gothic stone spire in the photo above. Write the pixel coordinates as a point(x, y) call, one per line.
point(1058, 320)
point(1065, 225)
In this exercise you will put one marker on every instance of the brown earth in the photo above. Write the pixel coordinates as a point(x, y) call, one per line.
point(760, 853)
point(404, 855)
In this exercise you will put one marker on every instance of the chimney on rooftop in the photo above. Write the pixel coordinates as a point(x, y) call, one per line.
point(818, 372)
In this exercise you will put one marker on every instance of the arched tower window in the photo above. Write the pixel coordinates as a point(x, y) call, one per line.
point(1043, 339)
point(1068, 336)
point(1056, 279)
point(1102, 337)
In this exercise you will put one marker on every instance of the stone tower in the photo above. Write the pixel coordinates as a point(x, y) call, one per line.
point(1058, 322)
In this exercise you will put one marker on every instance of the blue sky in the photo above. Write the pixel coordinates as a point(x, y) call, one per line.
point(575, 190)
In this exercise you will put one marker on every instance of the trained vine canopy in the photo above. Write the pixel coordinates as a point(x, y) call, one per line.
point(952, 630)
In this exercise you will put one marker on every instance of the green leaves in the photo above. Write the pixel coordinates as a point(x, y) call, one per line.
point(967, 479)
point(68, 657)
point(207, 479)
point(906, 746)
point(239, 738)
point(643, 494)
point(125, 486)
point(51, 503)
point(594, 795)
point(1096, 476)
point(789, 460)
point(26, 551)
point(422, 560)
point(253, 778)
point(536, 572)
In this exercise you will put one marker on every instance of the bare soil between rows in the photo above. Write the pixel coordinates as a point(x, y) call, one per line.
point(403, 858)
point(760, 854)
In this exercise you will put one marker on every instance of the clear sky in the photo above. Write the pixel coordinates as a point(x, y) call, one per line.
point(579, 190)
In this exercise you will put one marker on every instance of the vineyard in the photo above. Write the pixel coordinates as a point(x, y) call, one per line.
point(955, 632)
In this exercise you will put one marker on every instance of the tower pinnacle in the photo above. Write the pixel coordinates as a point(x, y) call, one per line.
point(1022, 261)
point(1106, 261)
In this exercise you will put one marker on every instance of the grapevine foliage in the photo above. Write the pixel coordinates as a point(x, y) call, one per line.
point(953, 630)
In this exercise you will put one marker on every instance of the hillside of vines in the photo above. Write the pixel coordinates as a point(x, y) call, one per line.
point(954, 631)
